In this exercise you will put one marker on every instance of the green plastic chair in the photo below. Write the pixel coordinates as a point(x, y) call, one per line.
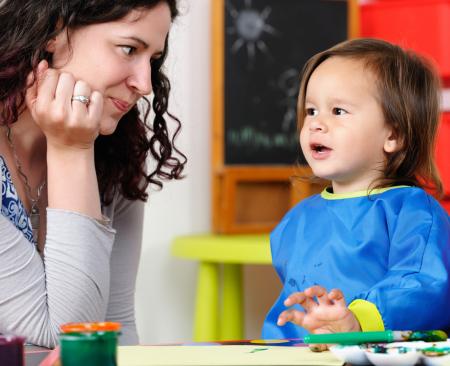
point(213, 252)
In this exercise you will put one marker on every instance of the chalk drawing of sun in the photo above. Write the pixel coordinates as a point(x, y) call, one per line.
point(249, 27)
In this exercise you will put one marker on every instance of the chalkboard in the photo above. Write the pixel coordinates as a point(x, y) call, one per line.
point(267, 43)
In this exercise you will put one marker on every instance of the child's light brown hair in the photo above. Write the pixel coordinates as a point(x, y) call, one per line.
point(409, 95)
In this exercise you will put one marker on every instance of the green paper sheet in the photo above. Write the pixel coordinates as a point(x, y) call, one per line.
point(222, 355)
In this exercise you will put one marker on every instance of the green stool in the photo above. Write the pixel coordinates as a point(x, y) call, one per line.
point(230, 251)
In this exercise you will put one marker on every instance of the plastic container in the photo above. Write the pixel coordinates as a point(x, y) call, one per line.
point(443, 152)
point(393, 356)
point(11, 350)
point(446, 204)
point(352, 354)
point(89, 344)
point(421, 25)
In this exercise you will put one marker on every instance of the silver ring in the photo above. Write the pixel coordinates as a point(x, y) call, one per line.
point(81, 98)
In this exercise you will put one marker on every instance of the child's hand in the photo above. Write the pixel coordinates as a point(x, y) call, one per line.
point(327, 314)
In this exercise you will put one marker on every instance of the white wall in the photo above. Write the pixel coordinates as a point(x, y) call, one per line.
point(166, 285)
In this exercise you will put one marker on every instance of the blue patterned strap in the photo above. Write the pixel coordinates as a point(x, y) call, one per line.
point(12, 206)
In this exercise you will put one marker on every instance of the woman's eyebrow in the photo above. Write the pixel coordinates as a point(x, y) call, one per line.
point(138, 40)
point(144, 44)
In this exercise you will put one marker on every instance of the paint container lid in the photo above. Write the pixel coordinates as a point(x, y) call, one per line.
point(90, 327)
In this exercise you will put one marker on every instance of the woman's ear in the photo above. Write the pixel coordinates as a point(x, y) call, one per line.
point(59, 50)
point(392, 143)
point(53, 43)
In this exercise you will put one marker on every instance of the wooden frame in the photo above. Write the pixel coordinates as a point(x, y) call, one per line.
point(231, 183)
point(253, 199)
point(353, 19)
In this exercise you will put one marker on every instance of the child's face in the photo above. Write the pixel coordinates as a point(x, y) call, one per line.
point(344, 137)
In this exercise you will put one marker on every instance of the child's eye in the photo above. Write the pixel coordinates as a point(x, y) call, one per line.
point(128, 50)
point(311, 112)
point(339, 111)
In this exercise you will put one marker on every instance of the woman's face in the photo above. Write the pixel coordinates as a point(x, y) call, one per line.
point(114, 58)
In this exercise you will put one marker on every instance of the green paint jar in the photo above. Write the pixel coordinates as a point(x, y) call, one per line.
point(89, 344)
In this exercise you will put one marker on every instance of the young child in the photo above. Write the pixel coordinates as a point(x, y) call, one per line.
point(368, 113)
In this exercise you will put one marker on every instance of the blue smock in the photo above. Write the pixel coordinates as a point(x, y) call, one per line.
point(391, 248)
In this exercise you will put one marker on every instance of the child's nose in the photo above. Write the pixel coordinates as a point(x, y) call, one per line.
point(318, 125)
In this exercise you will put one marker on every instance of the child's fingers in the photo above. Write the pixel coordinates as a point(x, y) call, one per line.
point(300, 298)
point(295, 298)
point(320, 293)
point(318, 347)
point(317, 291)
point(291, 315)
point(337, 297)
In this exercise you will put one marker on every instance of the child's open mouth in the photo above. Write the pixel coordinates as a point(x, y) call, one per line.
point(319, 148)
point(320, 151)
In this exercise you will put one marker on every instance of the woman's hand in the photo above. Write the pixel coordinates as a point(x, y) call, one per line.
point(324, 312)
point(66, 123)
point(70, 128)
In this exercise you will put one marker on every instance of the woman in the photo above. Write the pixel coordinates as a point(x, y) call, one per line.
point(72, 156)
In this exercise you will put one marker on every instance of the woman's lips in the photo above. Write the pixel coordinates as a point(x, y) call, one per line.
point(121, 105)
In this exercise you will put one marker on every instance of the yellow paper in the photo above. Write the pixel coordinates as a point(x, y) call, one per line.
point(222, 355)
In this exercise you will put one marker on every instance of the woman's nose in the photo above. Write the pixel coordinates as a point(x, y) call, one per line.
point(141, 79)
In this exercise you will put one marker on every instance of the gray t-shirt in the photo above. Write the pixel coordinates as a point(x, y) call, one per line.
point(87, 273)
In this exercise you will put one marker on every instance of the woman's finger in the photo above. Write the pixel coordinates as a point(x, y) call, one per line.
point(32, 81)
point(79, 99)
point(42, 92)
point(95, 108)
point(64, 91)
point(46, 86)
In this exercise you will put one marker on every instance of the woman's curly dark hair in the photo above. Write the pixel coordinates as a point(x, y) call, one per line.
point(27, 27)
